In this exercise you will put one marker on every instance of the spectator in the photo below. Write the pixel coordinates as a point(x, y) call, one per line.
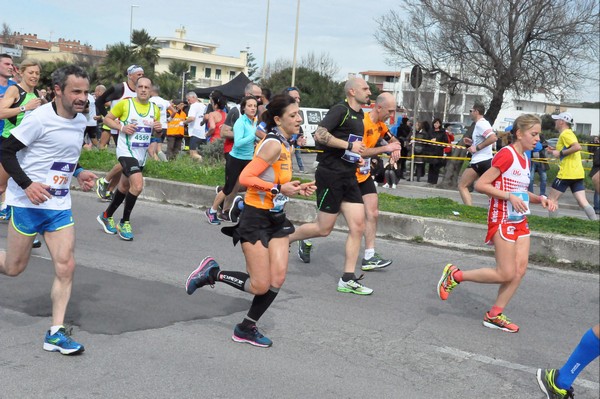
point(435, 164)
point(404, 132)
point(392, 171)
point(176, 131)
point(196, 131)
point(421, 148)
point(377, 170)
point(539, 166)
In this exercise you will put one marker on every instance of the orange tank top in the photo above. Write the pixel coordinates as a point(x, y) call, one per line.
point(278, 173)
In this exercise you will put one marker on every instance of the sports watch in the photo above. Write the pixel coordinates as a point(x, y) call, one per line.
point(276, 189)
point(22, 108)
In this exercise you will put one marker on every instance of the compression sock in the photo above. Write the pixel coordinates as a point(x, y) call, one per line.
point(235, 279)
point(584, 353)
point(117, 200)
point(260, 304)
point(369, 253)
point(130, 200)
point(495, 311)
point(590, 212)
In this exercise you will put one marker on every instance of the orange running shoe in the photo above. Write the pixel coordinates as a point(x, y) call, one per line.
point(447, 282)
point(500, 322)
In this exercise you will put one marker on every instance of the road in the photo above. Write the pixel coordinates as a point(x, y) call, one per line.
point(146, 338)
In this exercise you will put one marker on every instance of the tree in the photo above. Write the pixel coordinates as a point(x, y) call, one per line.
point(322, 63)
point(519, 45)
point(114, 68)
point(145, 49)
point(316, 90)
point(252, 67)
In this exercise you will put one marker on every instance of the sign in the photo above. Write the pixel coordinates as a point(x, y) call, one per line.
point(416, 77)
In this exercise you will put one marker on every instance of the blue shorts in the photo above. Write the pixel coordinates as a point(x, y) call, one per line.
point(31, 221)
point(574, 184)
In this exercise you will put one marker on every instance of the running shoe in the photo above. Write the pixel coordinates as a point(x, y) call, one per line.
point(201, 275)
point(547, 382)
point(212, 217)
point(36, 243)
point(124, 230)
point(236, 211)
point(250, 336)
point(102, 188)
point(304, 247)
point(447, 282)
point(108, 224)
point(109, 196)
point(223, 216)
point(354, 287)
point(218, 189)
point(376, 262)
point(500, 322)
point(62, 342)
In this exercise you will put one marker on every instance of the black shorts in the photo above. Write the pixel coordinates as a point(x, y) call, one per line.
point(233, 169)
point(91, 131)
point(130, 166)
point(594, 170)
point(259, 224)
point(481, 167)
point(574, 184)
point(333, 188)
point(368, 187)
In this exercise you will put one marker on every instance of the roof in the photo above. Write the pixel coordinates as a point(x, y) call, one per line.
point(381, 73)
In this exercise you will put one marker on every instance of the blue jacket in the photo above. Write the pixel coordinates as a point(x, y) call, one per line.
point(244, 134)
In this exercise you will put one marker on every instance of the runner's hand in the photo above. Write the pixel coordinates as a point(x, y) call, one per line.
point(38, 193)
point(307, 189)
point(86, 180)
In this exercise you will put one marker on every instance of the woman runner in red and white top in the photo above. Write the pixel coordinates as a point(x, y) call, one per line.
point(506, 183)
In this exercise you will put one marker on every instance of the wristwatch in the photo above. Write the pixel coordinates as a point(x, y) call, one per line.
point(276, 189)
point(22, 108)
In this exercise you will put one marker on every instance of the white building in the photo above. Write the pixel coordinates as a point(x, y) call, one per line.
point(207, 68)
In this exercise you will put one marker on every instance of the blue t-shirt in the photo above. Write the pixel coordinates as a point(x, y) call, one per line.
point(2, 92)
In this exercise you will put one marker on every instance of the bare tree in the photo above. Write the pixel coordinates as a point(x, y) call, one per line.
point(323, 64)
point(520, 45)
point(6, 32)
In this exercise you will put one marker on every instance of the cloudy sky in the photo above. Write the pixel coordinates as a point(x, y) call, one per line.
point(343, 29)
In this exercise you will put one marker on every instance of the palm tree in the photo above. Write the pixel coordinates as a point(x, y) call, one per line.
point(145, 49)
point(114, 68)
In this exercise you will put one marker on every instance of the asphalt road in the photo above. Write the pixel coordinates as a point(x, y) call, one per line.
point(146, 338)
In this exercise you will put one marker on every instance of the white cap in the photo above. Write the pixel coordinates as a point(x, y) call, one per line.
point(565, 116)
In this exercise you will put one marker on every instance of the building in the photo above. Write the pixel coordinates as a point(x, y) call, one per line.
point(28, 45)
point(207, 68)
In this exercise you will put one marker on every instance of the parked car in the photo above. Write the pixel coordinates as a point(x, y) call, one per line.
point(311, 117)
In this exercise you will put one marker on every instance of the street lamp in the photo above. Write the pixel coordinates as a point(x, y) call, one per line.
point(266, 33)
point(295, 46)
point(131, 22)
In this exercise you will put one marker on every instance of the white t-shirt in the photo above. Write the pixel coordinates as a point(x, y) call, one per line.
point(53, 146)
point(482, 130)
point(197, 110)
point(163, 106)
point(90, 115)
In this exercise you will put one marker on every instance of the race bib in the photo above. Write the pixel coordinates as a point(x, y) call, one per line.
point(350, 156)
point(141, 137)
point(513, 215)
point(366, 168)
point(279, 202)
point(59, 178)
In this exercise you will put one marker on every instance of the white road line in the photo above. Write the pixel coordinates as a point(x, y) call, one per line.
point(503, 363)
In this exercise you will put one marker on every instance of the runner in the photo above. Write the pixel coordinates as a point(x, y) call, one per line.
point(506, 183)
point(263, 228)
point(41, 157)
point(137, 120)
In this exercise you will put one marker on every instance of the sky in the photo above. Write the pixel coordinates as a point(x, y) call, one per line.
point(342, 29)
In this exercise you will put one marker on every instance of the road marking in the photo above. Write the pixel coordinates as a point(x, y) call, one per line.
point(503, 363)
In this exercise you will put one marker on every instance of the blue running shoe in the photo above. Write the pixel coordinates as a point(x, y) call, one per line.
point(201, 276)
point(212, 217)
point(61, 342)
point(250, 336)
point(36, 243)
point(5, 213)
point(124, 230)
point(108, 224)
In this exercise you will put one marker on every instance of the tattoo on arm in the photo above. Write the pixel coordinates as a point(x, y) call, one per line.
point(323, 136)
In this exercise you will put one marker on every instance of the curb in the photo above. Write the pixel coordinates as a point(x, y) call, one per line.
point(444, 233)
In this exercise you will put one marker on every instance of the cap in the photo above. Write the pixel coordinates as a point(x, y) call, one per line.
point(508, 128)
point(565, 116)
point(134, 68)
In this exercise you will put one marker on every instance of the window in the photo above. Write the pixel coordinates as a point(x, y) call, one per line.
point(231, 75)
point(583, 128)
point(193, 72)
point(207, 73)
point(519, 108)
point(217, 74)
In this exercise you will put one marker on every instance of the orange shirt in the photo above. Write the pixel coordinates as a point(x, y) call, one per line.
point(174, 127)
point(278, 173)
point(373, 133)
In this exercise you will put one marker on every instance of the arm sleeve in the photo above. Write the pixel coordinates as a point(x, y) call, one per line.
point(112, 93)
point(10, 147)
point(249, 176)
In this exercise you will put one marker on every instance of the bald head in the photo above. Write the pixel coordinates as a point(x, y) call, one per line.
point(357, 91)
point(385, 107)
